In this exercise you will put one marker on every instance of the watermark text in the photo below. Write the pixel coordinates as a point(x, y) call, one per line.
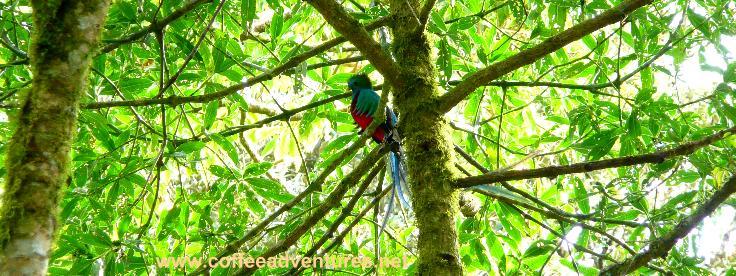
point(240, 260)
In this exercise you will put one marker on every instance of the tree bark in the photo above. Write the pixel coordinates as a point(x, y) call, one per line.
point(65, 35)
point(428, 149)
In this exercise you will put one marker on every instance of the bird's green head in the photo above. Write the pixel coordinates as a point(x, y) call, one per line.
point(359, 81)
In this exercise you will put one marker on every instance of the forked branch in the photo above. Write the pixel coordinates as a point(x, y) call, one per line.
point(350, 28)
point(530, 55)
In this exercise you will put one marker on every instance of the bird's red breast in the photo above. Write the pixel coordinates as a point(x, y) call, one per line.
point(364, 120)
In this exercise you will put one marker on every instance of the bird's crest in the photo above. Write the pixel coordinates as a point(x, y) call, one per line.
point(359, 81)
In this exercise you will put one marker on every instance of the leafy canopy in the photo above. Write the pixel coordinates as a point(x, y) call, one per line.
point(661, 78)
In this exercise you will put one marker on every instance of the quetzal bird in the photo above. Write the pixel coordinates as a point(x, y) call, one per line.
point(363, 106)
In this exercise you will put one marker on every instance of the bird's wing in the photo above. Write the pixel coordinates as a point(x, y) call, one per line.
point(367, 102)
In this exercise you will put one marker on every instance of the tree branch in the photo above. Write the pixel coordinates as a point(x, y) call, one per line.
point(661, 246)
point(283, 116)
point(480, 14)
point(328, 204)
point(234, 246)
point(424, 14)
point(193, 52)
point(291, 63)
point(346, 211)
point(554, 171)
point(5, 41)
point(555, 212)
point(314, 186)
point(331, 63)
point(592, 88)
point(339, 238)
point(154, 27)
point(350, 28)
point(528, 56)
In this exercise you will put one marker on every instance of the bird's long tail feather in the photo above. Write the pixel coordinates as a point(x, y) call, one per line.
point(389, 208)
point(398, 181)
point(398, 175)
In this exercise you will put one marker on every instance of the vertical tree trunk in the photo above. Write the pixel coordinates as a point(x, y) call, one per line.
point(65, 35)
point(428, 147)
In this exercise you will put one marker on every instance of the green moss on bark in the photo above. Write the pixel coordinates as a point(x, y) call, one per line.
point(428, 148)
point(66, 33)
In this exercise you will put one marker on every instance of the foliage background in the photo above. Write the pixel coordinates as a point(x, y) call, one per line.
point(662, 78)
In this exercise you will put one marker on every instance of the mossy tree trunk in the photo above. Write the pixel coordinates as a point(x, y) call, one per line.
point(65, 35)
point(427, 144)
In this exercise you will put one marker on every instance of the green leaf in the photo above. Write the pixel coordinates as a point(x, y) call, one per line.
point(683, 198)
point(590, 42)
point(339, 80)
point(632, 124)
point(600, 144)
point(222, 172)
point(277, 22)
point(171, 215)
point(437, 22)
point(464, 24)
point(102, 135)
point(227, 146)
point(581, 196)
point(94, 240)
point(186, 46)
point(219, 56)
point(698, 21)
point(211, 113)
point(269, 189)
point(190, 147)
point(687, 176)
point(730, 74)
point(577, 266)
point(248, 10)
point(255, 206)
point(511, 220)
point(256, 169)
point(81, 267)
point(538, 249)
point(628, 215)
point(444, 62)
point(336, 144)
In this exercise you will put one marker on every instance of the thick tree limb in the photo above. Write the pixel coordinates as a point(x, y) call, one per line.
point(661, 246)
point(38, 160)
point(530, 55)
point(350, 28)
point(554, 171)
